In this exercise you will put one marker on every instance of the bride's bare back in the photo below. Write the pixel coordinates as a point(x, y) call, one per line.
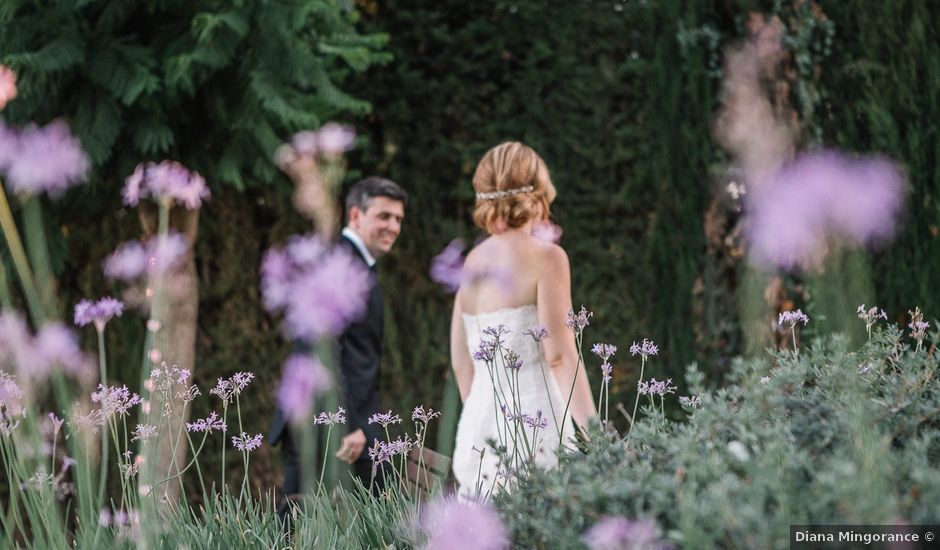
point(503, 272)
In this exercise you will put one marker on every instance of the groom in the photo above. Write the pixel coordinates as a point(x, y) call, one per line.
point(375, 208)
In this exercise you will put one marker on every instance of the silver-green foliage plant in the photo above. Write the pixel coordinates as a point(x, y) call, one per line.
point(828, 435)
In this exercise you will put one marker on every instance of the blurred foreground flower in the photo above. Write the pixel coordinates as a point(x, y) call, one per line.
point(36, 356)
point(42, 160)
point(447, 267)
point(455, 525)
point(821, 198)
point(320, 291)
point(156, 256)
point(619, 533)
point(304, 378)
point(99, 313)
point(7, 86)
point(547, 231)
point(166, 181)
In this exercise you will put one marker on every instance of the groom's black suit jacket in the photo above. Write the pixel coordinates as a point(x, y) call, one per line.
point(359, 351)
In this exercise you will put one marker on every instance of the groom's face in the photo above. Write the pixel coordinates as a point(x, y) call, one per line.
point(379, 225)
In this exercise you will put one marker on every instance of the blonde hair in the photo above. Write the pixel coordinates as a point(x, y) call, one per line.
point(503, 173)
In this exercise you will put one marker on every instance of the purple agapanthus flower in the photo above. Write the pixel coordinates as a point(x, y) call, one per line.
point(304, 378)
point(385, 419)
point(486, 352)
point(379, 452)
point(450, 524)
point(820, 196)
point(247, 443)
point(547, 231)
point(208, 424)
point(619, 533)
point(143, 432)
point(606, 370)
point(604, 351)
point(447, 267)
point(537, 332)
point(791, 318)
point(132, 259)
point(536, 421)
point(114, 400)
point(335, 139)
point(646, 349)
point(331, 419)
point(168, 180)
point(55, 344)
point(690, 401)
point(424, 415)
point(45, 160)
point(319, 291)
point(99, 313)
point(577, 322)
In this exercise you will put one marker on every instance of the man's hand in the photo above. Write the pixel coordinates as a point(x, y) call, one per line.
point(352, 446)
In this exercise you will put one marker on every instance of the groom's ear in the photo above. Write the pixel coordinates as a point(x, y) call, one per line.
point(352, 217)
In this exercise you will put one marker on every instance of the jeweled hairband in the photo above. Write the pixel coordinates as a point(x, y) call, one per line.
point(503, 194)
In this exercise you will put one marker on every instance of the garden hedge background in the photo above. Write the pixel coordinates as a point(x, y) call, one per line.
point(619, 97)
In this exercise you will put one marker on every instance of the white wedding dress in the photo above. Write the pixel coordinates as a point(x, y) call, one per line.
point(482, 420)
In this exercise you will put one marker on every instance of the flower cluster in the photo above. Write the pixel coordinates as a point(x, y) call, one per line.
point(513, 361)
point(99, 313)
point(228, 389)
point(11, 404)
point(114, 400)
point(547, 231)
point(537, 332)
point(424, 415)
point(304, 378)
point(133, 259)
point(615, 533)
point(820, 196)
point(918, 326)
point(791, 318)
point(166, 181)
point(319, 290)
point(331, 419)
point(35, 357)
point(208, 424)
point(42, 160)
point(655, 387)
point(871, 316)
point(247, 443)
point(690, 401)
point(452, 523)
point(645, 349)
point(447, 267)
point(385, 419)
point(604, 351)
point(163, 377)
point(537, 421)
point(331, 140)
point(143, 432)
point(577, 322)
point(382, 451)
point(486, 351)
point(495, 334)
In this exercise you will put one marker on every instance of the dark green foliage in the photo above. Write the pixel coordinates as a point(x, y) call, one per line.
point(833, 437)
point(215, 85)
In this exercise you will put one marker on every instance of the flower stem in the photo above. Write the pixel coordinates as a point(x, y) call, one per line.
point(8, 226)
point(38, 250)
point(637, 402)
point(103, 374)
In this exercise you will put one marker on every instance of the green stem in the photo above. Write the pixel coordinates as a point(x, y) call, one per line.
point(38, 249)
point(574, 381)
point(103, 373)
point(20, 262)
point(637, 402)
point(6, 297)
point(188, 466)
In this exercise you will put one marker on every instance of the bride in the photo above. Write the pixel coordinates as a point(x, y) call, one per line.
point(514, 380)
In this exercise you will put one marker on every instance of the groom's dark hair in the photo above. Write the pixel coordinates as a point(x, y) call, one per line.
point(363, 191)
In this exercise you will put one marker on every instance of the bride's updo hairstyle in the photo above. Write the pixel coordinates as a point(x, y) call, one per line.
point(512, 186)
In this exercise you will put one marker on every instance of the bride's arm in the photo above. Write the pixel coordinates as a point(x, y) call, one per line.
point(459, 354)
point(554, 302)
